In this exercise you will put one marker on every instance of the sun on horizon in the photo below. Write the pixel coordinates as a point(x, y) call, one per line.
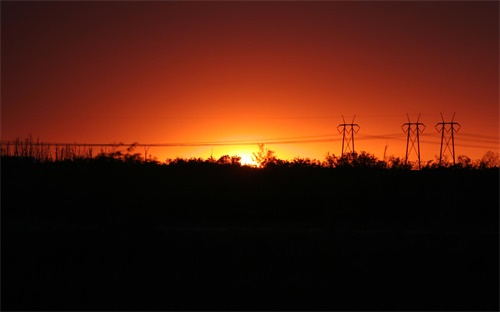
point(247, 160)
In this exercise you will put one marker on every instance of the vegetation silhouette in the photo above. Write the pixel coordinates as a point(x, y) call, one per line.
point(42, 152)
point(118, 231)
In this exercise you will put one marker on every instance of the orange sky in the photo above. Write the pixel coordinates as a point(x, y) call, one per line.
point(183, 72)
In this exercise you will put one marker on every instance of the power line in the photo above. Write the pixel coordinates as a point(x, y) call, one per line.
point(190, 144)
point(280, 140)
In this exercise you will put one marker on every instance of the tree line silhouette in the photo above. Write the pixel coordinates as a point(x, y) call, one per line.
point(264, 157)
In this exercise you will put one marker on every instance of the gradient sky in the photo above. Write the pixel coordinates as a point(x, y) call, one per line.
point(256, 71)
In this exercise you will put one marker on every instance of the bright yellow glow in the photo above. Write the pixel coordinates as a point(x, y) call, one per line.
point(246, 160)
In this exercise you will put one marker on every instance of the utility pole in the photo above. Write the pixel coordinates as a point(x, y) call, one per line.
point(449, 128)
point(413, 129)
point(350, 130)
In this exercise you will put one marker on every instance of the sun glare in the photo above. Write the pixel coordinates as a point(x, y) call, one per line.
point(246, 160)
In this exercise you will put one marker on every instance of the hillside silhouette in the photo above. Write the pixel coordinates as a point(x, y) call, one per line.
point(119, 233)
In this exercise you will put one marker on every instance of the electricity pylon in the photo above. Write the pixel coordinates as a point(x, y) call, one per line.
point(449, 128)
point(413, 129)
point(349, 129)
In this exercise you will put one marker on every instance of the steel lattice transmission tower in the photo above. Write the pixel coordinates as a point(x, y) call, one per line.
point(448, 128)
point(348, 131)
point(413, 129)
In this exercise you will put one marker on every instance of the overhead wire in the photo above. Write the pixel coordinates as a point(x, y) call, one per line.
point(281, 140)
point(462, 139)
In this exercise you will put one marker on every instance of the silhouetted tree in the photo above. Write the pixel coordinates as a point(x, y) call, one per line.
point(490, 160)
point(224, 160)
point(346, 160)
point(229, 160)
point(367, 160)
point(264, 157)
point(305, 163)
point(464, 162)
point(176, 161)
point(119, 155)
point(330, 161)
point(394, 162)
point(236, 160)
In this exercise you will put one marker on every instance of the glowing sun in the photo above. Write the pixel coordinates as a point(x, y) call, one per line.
point(246, 160)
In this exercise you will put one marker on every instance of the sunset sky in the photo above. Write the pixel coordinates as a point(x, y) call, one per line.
point(229, 73)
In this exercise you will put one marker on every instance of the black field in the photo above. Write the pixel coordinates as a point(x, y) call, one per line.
point(108, 235)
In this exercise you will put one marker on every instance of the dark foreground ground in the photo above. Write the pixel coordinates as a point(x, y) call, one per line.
point(79, 236)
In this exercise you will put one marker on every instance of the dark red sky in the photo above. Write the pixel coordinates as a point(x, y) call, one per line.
point(181, 72)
